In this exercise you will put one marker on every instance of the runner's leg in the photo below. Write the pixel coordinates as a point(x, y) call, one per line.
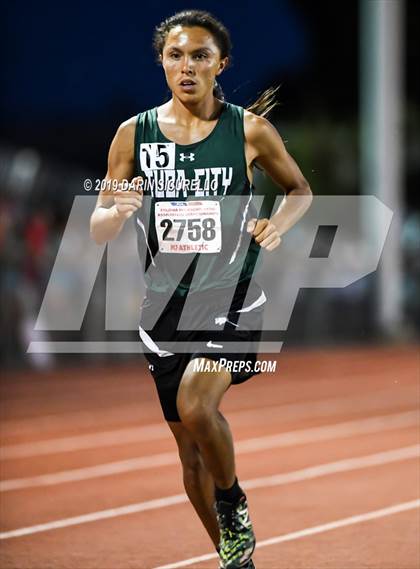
point(198, 399)
point(198, 482)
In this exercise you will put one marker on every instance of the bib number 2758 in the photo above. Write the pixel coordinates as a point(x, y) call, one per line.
point(196, 230)
point(188, 227)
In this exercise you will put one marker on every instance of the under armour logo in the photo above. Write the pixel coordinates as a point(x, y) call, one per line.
point(191, 156)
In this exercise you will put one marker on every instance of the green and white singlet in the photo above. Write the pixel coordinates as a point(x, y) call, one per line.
point(198, 201)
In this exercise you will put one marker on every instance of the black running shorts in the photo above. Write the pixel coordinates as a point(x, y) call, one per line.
point(241, 323)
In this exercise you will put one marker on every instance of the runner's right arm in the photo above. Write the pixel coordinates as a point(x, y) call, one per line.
point(113, 208)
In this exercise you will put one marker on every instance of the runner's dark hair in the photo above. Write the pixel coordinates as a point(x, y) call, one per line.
point(264, 104)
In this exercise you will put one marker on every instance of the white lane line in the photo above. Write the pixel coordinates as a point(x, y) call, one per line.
point(256, 444)
point(312, 472)
point(328, 432)
point(115, 437)
point(156, 431)
point(344, 522)
point(101, 515)
point(344, 465)
point(90, 472)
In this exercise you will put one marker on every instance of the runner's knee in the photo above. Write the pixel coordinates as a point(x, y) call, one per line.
point(196, 414)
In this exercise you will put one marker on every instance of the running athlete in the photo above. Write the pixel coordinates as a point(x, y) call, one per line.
point(188, 160)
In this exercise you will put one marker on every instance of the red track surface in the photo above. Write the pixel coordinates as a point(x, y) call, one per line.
point(319, 408)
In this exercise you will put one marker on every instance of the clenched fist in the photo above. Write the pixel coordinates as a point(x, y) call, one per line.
point(265, 233)
point(129, 199)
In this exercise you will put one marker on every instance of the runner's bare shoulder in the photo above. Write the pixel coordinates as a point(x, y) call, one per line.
point(124, 136)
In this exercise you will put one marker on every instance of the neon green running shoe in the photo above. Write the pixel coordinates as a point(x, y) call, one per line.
point(237, 539)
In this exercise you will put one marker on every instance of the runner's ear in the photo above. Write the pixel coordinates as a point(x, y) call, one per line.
point(222, 65)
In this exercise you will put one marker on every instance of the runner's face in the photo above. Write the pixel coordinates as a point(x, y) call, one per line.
point(191, 61)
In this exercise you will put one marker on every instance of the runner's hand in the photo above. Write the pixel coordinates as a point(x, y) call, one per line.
point(128, 200)
point(265, 233)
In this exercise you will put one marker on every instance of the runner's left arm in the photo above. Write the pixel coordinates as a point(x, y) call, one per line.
point(266, 149)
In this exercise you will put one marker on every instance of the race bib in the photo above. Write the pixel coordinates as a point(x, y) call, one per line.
point(188, 227)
